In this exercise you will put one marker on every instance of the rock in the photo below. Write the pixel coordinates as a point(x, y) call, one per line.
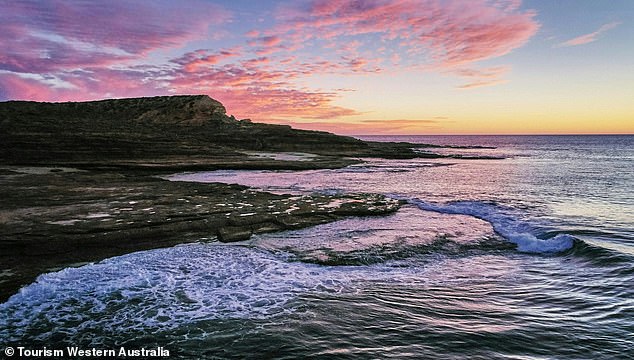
point(58, 219)
point(234, 233)
point(248, 219)
point(159, 130)
point(266, 227)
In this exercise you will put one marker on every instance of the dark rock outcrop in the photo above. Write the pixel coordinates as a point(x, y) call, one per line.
point(172, 129)
point(50, 220)
point(56, 217)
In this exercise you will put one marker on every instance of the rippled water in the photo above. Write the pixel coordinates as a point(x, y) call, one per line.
point(527, 257)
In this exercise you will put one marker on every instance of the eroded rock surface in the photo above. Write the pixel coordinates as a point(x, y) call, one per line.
point(52, 218)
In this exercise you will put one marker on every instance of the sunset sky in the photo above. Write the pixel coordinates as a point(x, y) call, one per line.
point(351, 67)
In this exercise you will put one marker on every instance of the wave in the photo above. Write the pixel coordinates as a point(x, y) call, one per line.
point(527, 237)
point(162, 290)
point(406, 234)
point(603, 256)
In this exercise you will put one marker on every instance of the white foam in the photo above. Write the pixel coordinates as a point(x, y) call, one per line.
point(64, 222)
point(168, 288)
point(97, 215)
point(362, 240)
point(508, 226)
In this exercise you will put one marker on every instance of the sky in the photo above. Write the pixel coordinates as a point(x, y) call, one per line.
point(349, 67)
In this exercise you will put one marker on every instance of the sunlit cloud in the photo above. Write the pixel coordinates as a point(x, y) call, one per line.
point(247, 89)
point(58, 51)
point(96, 33)
point(482, 77)
point(191, 61)
point(133, 27)
point(363, 127)
point(444, 33)
point(591, 37)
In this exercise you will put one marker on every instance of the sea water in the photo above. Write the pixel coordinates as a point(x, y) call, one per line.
point(525, 252)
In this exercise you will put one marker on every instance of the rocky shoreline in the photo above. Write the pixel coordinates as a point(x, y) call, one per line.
point(53, 218)
point(78, 181)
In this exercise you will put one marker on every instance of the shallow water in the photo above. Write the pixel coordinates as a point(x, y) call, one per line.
point(527, 257)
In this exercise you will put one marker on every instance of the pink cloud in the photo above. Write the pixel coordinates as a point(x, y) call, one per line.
point(254, 92)
point(37, 55)
point(588, 38)
point(481, 83)
point(433, 33)
point(82, 85)
point(131, 26)
point(395, 58)
point(15, 87)
point(86, 50)
point(481, 77)
point(252, 33)
point(45, 36)
point(270, 40)
point(251, 63)
point(266, 45)
point(191, 61)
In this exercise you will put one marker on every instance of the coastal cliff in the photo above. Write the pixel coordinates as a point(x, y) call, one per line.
point(78, 180)
point(163, 130)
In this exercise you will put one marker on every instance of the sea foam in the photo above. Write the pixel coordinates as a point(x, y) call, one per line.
point(504, 223)
point(166, 289)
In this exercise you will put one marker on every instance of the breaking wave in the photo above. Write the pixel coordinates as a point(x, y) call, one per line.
point(528, 238)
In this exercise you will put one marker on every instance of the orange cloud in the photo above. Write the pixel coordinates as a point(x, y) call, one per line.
point(383, 127)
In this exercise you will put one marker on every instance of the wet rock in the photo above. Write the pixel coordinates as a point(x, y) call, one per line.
point(50, 220)
point(266, 227)
point(250, 218)
point(234, 233)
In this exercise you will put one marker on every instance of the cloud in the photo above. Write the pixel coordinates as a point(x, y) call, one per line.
point(131, 26)
point(46, 36)
point(83, 85)
point(384, 127)
point(444, 33)
point(191, 61)
point(419, 35)
point(481, 77)
point(58, 50)
point(37, 55)
point(15, 87)
point(588, 38)
point(265, 95)
point(270, 40)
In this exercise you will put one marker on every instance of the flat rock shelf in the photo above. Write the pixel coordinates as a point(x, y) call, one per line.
point(53, 218)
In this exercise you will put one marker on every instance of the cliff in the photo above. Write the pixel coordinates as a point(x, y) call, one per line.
point(155, 128)
point(55, 216)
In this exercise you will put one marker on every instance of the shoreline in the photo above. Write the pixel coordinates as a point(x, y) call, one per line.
point(55, 217)
point(115, 204)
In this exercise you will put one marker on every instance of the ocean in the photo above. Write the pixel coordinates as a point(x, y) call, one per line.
point(522, 249)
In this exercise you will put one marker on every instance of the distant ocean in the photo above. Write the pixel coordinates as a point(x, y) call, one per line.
point(526, 255)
